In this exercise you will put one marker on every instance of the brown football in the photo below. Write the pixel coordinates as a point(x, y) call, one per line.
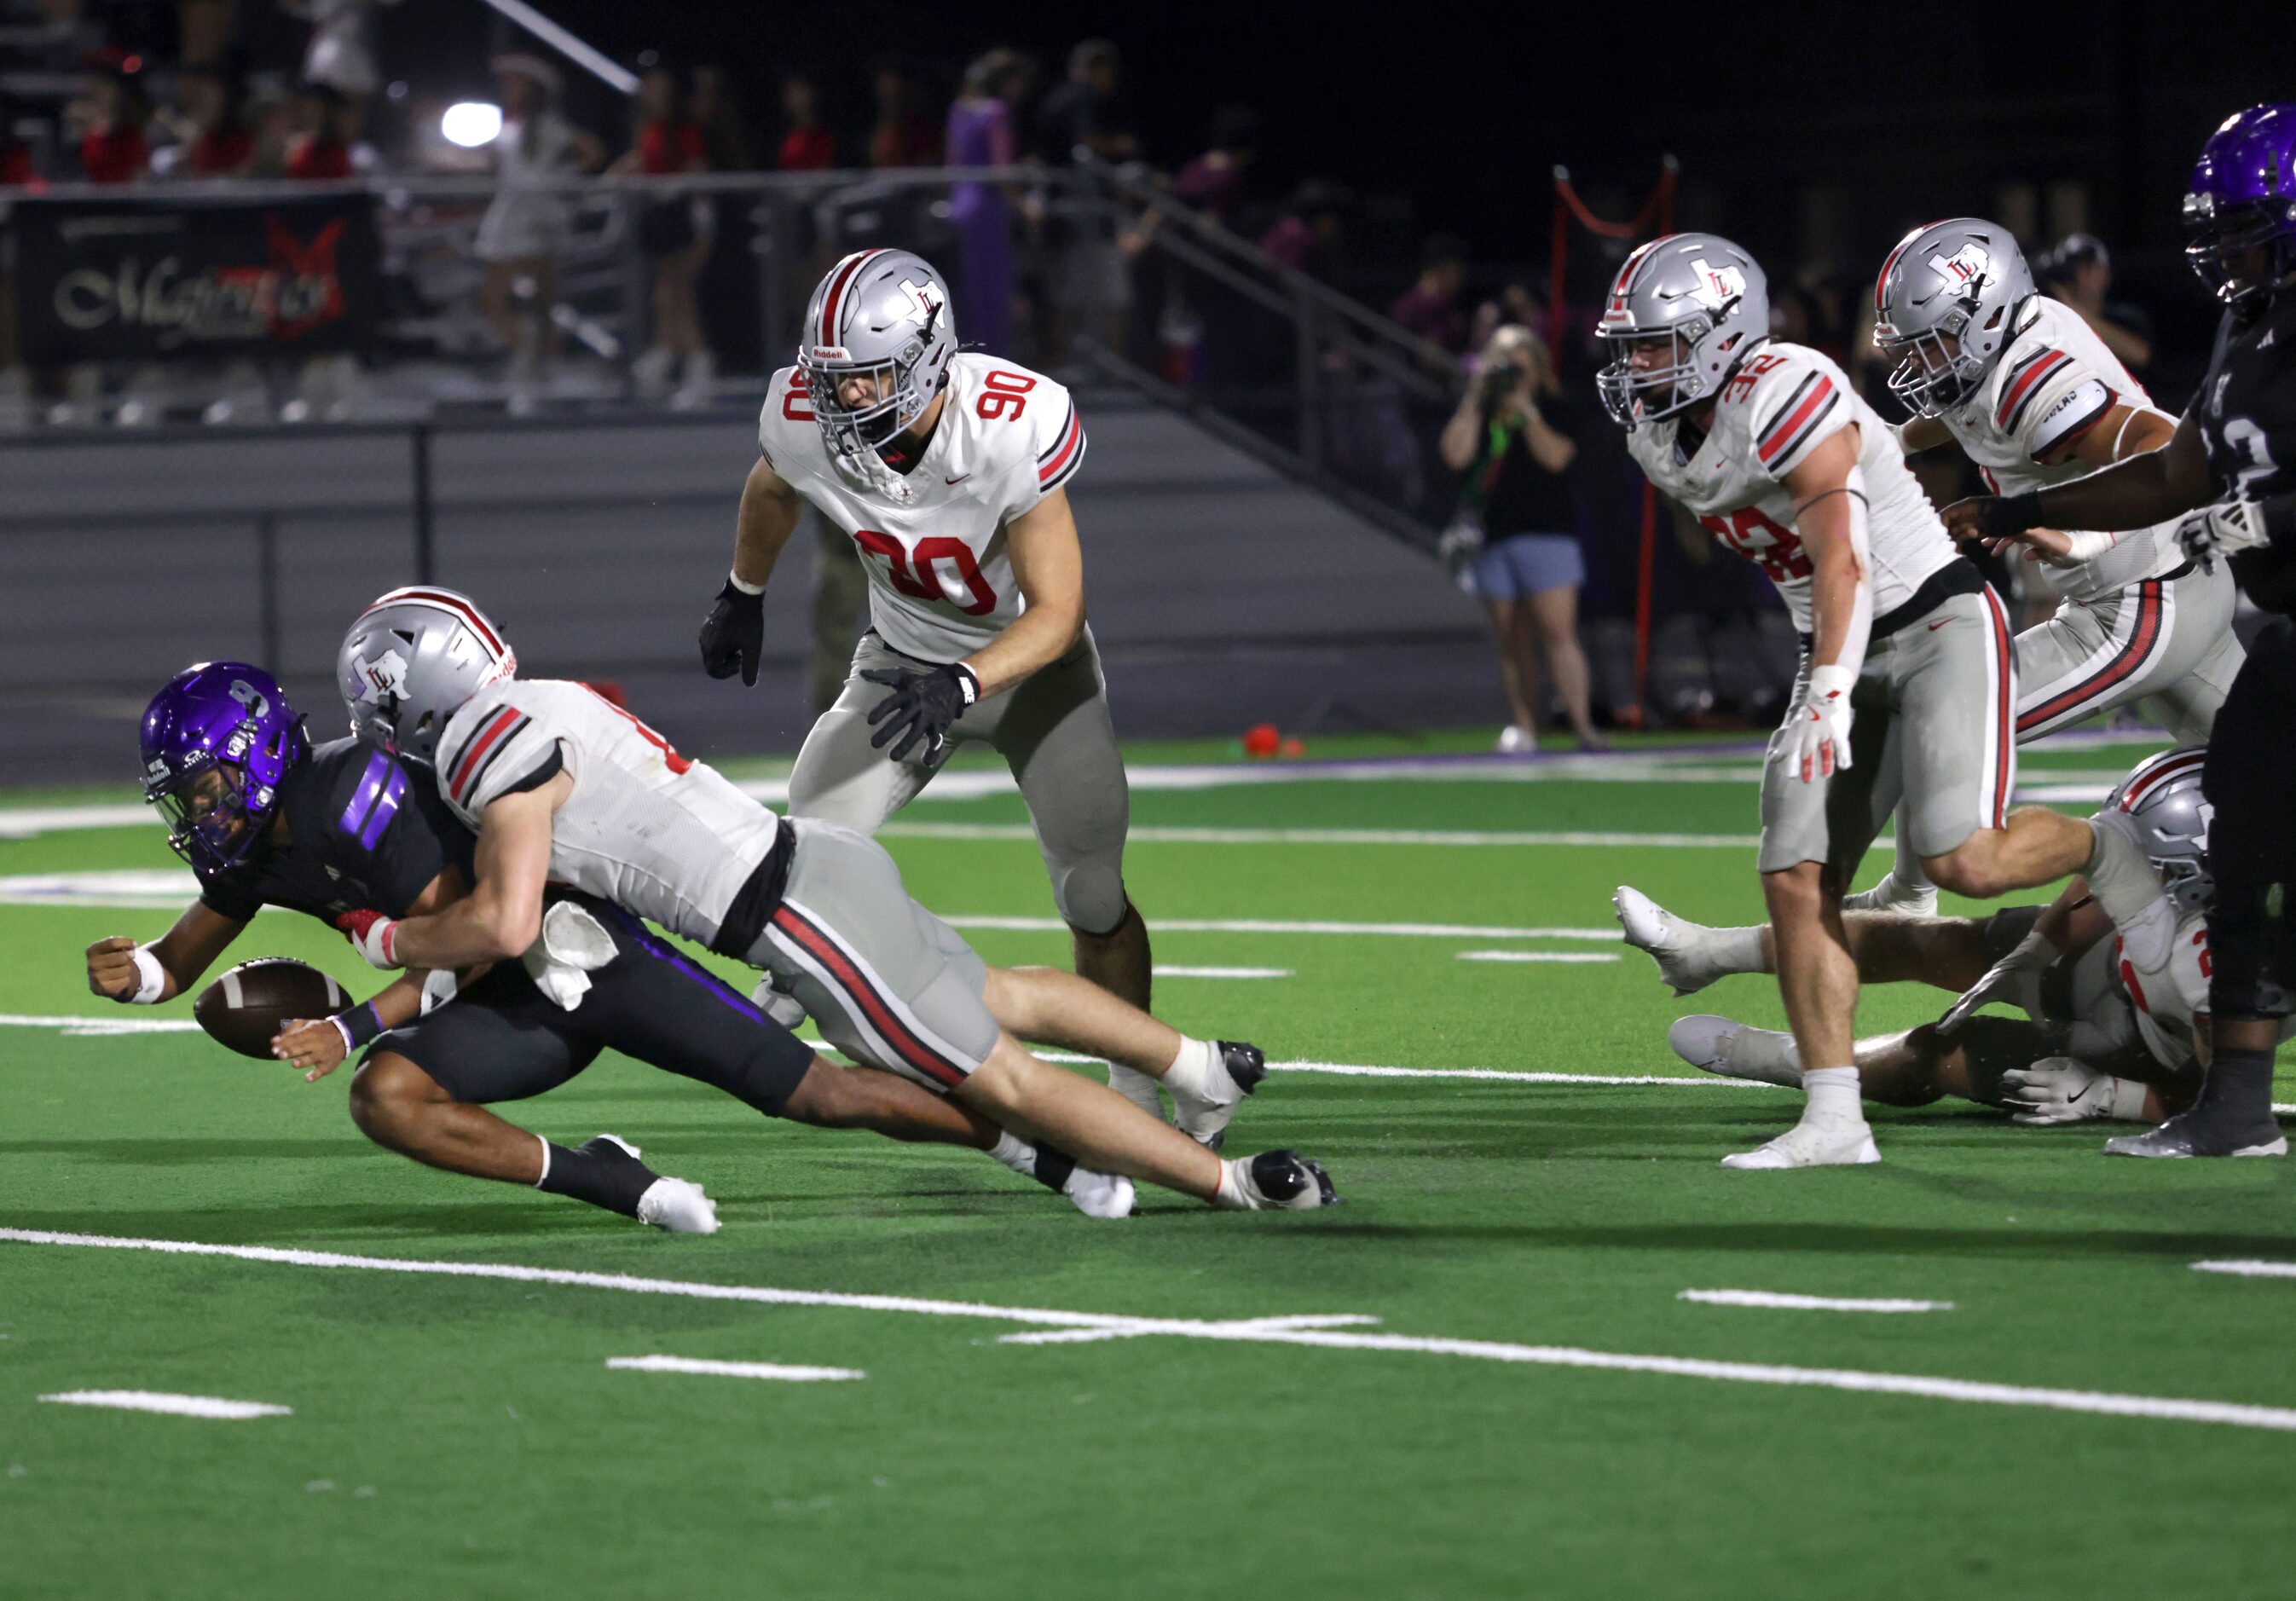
point(244, 1008)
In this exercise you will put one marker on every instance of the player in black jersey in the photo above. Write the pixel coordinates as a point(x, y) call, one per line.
point(265, 819)
point(2231, 468)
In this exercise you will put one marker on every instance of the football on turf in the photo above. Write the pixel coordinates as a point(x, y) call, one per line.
point(244, 1008)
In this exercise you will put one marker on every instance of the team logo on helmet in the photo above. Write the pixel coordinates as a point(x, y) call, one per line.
point(925, 302)
point(384, 678)
point(1965, 266)
point(250, 697)
point(1716, 286)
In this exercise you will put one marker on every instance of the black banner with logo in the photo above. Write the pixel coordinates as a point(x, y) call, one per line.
point(156, 278)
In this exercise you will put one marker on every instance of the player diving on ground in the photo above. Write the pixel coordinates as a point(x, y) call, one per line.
point(566, 789)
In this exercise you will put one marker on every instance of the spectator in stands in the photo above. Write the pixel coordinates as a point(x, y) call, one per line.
point(1511, 442)
point(725, 135)
point(340, 55)
point(1085, 117)
point(675, 231)
point(807, 146)
point(1309, 229)
point(326, 124)
point(208, 124)
point(980, 134)
point(525, 227)
point(1085, 110)
point(1430, 308)
point(905, 134)
point(1213, 183)
point(2079, 271)
point(1515, 303)
point(108, 120)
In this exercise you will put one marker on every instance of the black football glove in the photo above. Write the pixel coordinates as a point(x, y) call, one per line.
point(922, 706)
point(734, 633)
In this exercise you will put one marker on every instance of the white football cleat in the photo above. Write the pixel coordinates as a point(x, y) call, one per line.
point(779, 1004)
point(1099, 1194)
point(1807, 1146)
point(1715, 1045)
point(1672, 942)
point(677, 1206)
point(1234, 1071)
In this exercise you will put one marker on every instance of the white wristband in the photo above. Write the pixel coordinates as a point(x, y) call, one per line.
point(153, 977)
point(735, 579)
point(2086, 545)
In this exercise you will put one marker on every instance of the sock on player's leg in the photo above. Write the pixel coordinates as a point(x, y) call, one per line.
point(1736, 949)
point(1192, 1069)
point(1046, 1166)
point(1833, 1096)
point(602, 1172)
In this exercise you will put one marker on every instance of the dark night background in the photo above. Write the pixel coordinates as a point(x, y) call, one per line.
point(1808, 131)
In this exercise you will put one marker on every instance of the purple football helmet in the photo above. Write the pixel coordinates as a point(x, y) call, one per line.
point(218, 715)
point(2243, 198)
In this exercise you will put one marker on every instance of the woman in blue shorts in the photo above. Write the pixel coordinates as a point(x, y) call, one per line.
point(1511, 442)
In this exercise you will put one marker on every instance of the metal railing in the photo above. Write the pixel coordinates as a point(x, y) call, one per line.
point(1103, 271)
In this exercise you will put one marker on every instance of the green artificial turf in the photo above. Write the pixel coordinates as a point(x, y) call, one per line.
point(465, 1437)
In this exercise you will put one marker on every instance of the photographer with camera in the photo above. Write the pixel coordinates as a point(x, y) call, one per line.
point(1510, 441)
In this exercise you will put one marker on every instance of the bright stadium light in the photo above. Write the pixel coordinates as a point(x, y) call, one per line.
point(471, 123)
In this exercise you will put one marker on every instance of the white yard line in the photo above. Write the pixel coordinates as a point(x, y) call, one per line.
point(1808, 1303)
point(1223, 973)
point(99, 1026)
point(2250, 1269)
point(1267, 925)
point(1084, 1336)
point(1251, 1331)
point(734, 1370)
point(1537, 956)
point(1152, 835)
point(179, 1406)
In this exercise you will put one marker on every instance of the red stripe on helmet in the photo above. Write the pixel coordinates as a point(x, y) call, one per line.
point(2168, 765)
point(446, 600)
point(832, 303)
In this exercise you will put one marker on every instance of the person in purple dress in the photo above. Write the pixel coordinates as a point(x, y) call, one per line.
point(980, 134)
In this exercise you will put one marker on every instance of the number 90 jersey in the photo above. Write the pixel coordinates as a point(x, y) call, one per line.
point(1779, 404)
point(940, 584)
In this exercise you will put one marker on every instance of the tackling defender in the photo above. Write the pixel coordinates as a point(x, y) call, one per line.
point(566, 789)
point(2030, 394)
point(1907, 679)
point(2235, 446)
point(2101, 1042)
point(264, 819)
point(949, 471)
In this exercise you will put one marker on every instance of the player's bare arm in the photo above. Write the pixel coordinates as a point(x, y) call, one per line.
point(2136, 491)
point(1917, 434)
point(183, 954)
point(320, 1045)
point(503, 914)
point(1829, 509)
point(1048, 567)
point(734, 633)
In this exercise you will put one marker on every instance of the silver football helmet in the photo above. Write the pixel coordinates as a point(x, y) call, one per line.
point(1701, 292)
point(1945, 306)
point(884, 316)
point(410, 661)
point(2162, 796)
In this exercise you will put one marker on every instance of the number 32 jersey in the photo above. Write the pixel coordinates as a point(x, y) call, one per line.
point(940, 582)
point(1776, 408)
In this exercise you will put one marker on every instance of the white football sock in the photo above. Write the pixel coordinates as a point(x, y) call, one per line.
point(1834, 1096)
point(1736, 949)
point(1194, 1070)
point(1016, 1154)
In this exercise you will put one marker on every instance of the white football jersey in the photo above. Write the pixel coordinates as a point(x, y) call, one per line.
point(1782, 400)
point(657, 835)
point(2054, 383)
point(940, 584)
point(2166, 1013)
